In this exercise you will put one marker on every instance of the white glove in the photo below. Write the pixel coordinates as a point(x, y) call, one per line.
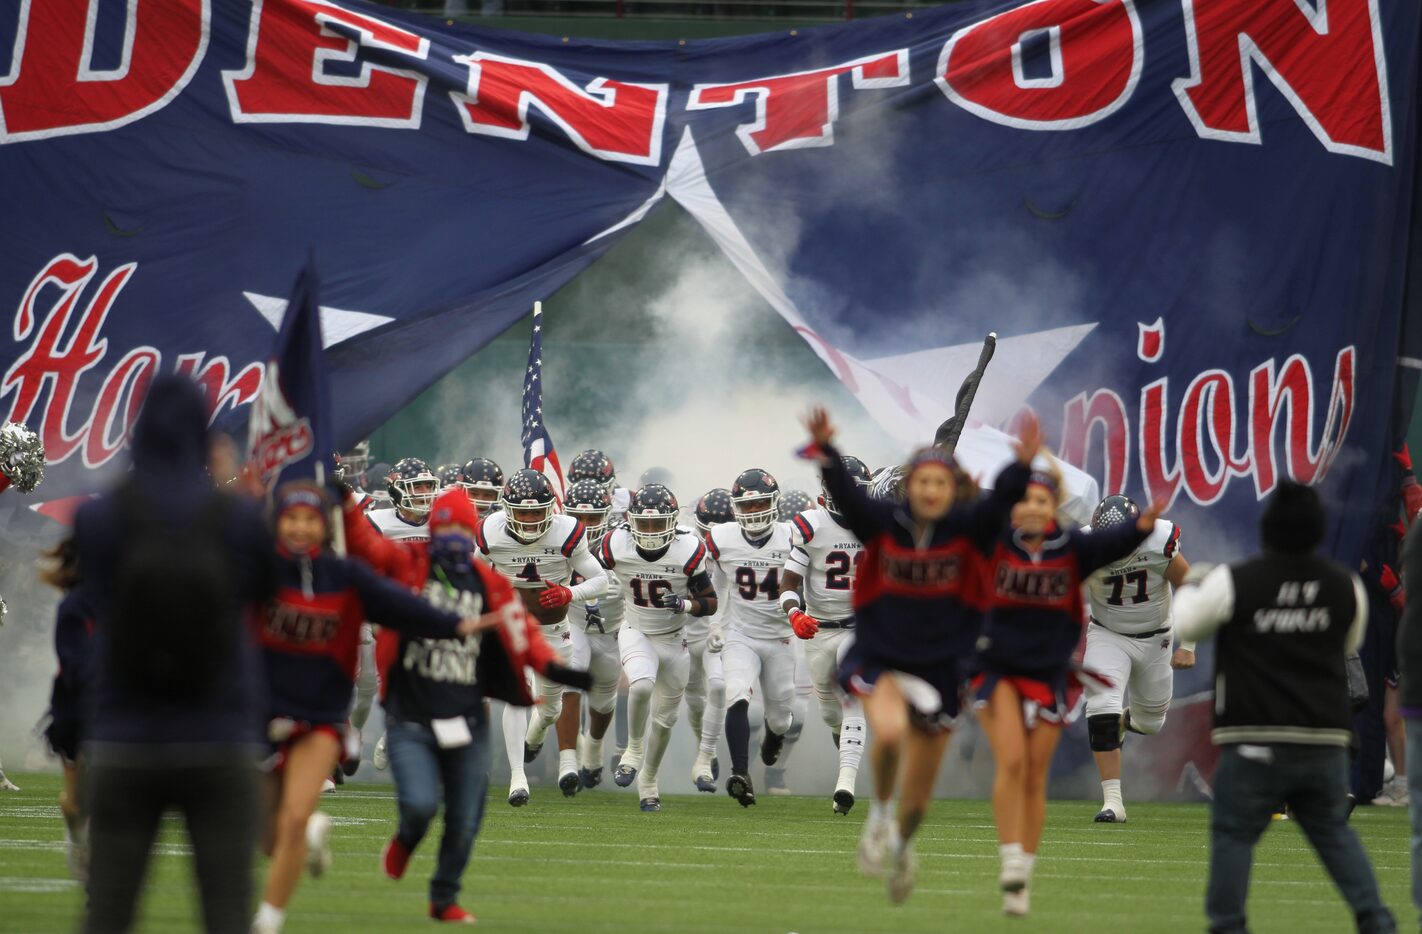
point(4, 610)
point(716, 641)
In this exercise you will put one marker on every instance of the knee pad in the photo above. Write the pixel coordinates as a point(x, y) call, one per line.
point(1103, 731)
point(797, 726)
point(602, 698)
point(716, 693)
point(640, 690)
point(1146, 719)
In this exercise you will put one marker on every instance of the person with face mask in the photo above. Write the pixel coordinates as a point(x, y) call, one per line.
point(436, 704)
point(916, 616)
point(1031, 588)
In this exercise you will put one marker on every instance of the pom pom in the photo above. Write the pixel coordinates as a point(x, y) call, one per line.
point(21, 457)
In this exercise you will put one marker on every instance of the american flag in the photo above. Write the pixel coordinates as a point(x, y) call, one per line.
point(538, 451)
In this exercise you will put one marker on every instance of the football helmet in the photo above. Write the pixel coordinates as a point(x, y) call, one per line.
point(656, 476)
point(589, 502)
point(652, 517)
point(354, 462)
point(530, 504)
point(858, 473)
point(485, 482)
point(593, 465)
point(792, 503)
point(714, 509)
point(450, 475)
point(1113, 512)
point(412, 486)
point(755, 497)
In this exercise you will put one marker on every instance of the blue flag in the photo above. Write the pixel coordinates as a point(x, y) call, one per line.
point(288, 435)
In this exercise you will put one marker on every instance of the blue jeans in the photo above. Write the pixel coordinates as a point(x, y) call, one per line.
point(420, 768)
point(1254, 782)
point(1414, 806)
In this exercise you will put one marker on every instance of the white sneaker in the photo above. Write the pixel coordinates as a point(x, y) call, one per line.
point(874, 846)
point(900, 873)
point(1015, 873)
point(261, 927)
point(6, 784)
point(318, 844)
point(1394, 795)
point(1016, 904)
point(327, 786)
point(379, 757)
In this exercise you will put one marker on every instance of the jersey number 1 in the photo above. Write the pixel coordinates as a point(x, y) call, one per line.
point(1118, 586)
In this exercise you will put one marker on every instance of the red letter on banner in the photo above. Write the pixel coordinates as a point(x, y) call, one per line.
point(799, 110)
point(286, 78)
point(52, 89)
point(613, 120)
point(1328, 64)
point(1096, 56)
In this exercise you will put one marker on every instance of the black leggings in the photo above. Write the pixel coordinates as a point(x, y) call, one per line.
point(220, 805)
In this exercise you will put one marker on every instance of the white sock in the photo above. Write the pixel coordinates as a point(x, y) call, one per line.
point(515, 723)
point(594, 754)
point(1111, 792)
point(881, 810)
point(713, 722)
point(846, 779)
point(567, 761)
point(271, 916)
point(658, 737)
point(517, 779)
point(851, 743)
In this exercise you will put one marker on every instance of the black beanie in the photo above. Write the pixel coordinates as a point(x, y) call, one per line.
point(1293, 519)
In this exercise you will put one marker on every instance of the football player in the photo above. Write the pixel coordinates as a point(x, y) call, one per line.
point(706, 692)
point(484, 480)
point(751, 553)
point(450, 476)
point(815, 593)
point(662, 575)
point(412, 487)
point(540, 550)
point(594, 627)
point(792, 503)
point(594, 465)
point(1129, 642)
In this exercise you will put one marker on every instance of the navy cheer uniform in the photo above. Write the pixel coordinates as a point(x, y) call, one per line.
point(73, 633)
point(916, 603)
point(1034, 609)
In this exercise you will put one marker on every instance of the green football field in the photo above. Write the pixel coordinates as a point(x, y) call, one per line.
point(597, 864)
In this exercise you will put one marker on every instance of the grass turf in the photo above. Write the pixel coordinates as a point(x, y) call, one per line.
point(597, 864)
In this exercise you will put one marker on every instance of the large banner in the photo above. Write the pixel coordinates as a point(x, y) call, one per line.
point(1187, 220)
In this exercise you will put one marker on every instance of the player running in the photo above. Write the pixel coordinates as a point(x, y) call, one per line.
point(751, 554)
point(915, 623)
point(1032, 581)
point(816, 591)
point(1128, 642)
point(663, 579)
point(540, 551)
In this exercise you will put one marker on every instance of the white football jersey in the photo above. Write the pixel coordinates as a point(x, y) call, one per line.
point(397, 528)
point(530, 566)
point(621, 499)
point(1132, 596)
point(826, 555)
point(642, 581)
point(611, 608)
point(752, 597)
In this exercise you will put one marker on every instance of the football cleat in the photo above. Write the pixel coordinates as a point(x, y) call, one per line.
point(624, 775)
point(380, 758)
point(770, 745)
point(874, 846)
point(843, 800)
point(518, 797)
point(531, 752)
point(395, 858)
point(650, 804)
point(568, 784)
point(590, 778)
point(1109, 816)
point(318, 844)
point(901, 873)
point(706, 783)
point(739, 787)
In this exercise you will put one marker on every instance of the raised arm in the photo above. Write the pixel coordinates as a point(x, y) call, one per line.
point(1096, 549)
point(386, 603)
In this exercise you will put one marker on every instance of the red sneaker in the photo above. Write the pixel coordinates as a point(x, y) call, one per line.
point(395, 858)
point(452, 913)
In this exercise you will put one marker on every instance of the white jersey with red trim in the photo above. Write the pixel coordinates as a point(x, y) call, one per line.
point(1132, 596)
point(397, 528)
point(826, 555)
point(642, 580)
point(752, 598)
point(553, 556)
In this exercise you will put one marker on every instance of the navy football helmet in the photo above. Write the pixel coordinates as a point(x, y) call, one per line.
point(714, 509)
point(589, 502)
point(656, 476)
point(792, 503)
point(593, 465)
point(1113, 512)
point(450, 475)
point(652, 517)
point(858, 472)
point(530, 504)
point(754, 498)
point(484, 481)
point(412, 486)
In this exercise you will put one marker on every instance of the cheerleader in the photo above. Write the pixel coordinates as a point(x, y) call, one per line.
point(1031, 582)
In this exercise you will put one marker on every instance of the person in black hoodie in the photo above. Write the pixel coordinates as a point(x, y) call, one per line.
point(172, 717)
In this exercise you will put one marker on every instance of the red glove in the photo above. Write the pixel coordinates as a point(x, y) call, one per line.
point(1395, 594)
point(554, 596)
point(1411, 490)
point(1403, 457)
point(803, 623)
